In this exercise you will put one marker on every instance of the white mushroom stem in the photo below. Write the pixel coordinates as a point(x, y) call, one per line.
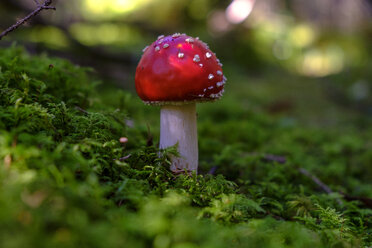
point(178, 126)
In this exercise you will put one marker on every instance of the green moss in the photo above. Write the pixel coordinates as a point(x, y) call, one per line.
point(67, 181)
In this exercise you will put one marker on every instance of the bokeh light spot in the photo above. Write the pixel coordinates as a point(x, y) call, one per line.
point(239, 10)
point(104, 34)
point(51, 36)
point(302, 35)
point(323, 62)
point(104, 8)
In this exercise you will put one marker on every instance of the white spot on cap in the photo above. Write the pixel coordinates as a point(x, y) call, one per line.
point(181, 55)
point(219, 94)
point(157, 48)
point(220, 64)
point(201, 65)
point(210, 76)
point(165, 45)
point(160, 41)
point(176, 35)
point(144, 49)
point(189, 40)
point(205, 90)
point(219, 72)
point(160, 37)
point(222, 82)
point(208, 55)
point(201, 95)
point(210, 87)
point(196, 58)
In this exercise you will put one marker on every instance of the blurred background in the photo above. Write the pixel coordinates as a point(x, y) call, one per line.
point(306, 61)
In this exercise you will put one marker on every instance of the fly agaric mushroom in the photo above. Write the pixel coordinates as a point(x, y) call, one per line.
point(176, 72)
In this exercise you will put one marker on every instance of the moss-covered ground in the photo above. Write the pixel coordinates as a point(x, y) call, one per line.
point(67, 181)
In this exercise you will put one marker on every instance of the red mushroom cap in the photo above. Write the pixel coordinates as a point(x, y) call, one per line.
point(177, 69)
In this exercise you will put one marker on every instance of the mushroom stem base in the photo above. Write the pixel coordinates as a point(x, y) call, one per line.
point(178, 126)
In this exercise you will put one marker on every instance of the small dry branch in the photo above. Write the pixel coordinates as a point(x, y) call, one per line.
point(40, 7)
point(324, 187)
point(81, 110)
point(316, 180)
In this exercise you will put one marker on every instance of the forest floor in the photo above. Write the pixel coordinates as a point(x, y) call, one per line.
point(282, 163)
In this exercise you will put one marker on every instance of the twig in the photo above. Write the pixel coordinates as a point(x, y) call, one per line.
point(123, 158)
point(81, 110)
point(316, 180)
point(39, 8)
point(365, 200)
point(213, 170)
point(275, 158)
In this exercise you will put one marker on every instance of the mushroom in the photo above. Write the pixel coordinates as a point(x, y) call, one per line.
point(176, 72)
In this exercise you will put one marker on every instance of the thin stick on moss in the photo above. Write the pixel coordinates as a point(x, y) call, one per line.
point(318, 182)
point(40, 7)
point(81, 110)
